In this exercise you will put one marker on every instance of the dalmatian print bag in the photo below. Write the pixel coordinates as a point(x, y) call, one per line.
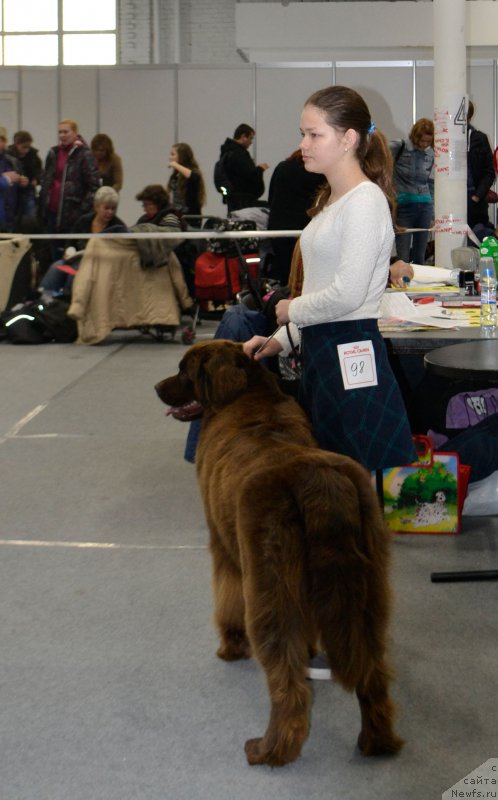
point(426, 496)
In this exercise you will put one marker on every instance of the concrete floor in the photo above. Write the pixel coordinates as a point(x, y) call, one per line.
point(109, 685)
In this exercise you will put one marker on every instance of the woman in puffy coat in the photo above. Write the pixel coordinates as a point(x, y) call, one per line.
point(69, 181)
point(414, 182)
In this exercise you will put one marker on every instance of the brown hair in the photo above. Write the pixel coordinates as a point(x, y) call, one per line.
point(422, 127)
point(102, 140)
point(23, 137)
point(345, 109)
point(154, 193)
point(187, 159)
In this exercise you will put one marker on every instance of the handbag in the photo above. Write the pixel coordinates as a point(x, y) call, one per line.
point(466, 409)
point(426, 496)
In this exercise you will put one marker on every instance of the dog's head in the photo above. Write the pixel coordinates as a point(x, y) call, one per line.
point(211, 375)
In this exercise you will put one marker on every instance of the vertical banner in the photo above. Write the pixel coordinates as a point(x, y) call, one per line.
point(450, 138)
point(450, 160)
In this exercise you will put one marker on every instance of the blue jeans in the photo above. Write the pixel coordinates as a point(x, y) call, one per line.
point(55, 281)
point(412, 246)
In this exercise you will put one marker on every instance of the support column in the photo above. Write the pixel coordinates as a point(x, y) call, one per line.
point(450, 128)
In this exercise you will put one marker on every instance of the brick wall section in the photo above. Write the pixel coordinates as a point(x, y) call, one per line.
point(207, 32)
point(134, 39)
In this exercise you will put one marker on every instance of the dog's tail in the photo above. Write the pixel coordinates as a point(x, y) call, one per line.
point(347, 547)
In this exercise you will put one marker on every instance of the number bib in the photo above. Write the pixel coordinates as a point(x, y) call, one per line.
point(357, 360)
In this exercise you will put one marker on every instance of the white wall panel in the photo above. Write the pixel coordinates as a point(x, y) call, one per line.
point(424, 93)
point(137, 110)
point(39, 106)
point(388, 92)
point(280, 95)
point(480, 87)
point(78, 98)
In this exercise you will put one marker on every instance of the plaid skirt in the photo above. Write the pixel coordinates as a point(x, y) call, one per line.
point(368, 424)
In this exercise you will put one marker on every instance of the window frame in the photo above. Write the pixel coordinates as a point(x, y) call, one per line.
point(59, 32)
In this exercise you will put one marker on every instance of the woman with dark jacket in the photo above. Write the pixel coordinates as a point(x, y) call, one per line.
point(69, 181)
point(480, 174)
point(160, 217)
point(291, 193)
point(31, 169)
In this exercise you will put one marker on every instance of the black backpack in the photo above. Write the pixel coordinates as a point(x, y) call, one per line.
point(38, 323)
point(221, 178)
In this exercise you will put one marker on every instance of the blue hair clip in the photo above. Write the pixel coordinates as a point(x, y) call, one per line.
point(371, 128)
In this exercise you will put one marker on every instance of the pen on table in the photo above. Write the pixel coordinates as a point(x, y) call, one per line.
point(268, 339)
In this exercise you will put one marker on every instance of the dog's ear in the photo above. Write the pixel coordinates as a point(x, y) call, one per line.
point(222, 378)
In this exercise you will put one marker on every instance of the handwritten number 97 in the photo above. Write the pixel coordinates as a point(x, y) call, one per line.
point(357, 368)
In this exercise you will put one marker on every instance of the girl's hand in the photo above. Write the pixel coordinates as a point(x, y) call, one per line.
point(282, 311)
point(398, 271)
point(269, 348)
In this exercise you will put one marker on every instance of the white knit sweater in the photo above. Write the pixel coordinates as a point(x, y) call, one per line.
point(346, 250)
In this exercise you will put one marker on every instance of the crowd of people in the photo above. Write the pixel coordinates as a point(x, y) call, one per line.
point(58, 195)
point(76, 190)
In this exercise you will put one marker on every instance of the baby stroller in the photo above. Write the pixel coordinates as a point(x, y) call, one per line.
point(224, 269)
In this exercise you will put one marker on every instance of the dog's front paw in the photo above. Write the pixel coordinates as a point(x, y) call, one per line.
point(234, 646)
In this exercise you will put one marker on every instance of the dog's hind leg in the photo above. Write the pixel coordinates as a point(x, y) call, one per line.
point(377, 735)
point(229, 608)
point(273, 567)
point(350, 596)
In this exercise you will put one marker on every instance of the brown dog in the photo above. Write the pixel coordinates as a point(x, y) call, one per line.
point(299, 547)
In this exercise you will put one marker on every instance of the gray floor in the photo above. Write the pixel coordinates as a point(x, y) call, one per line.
point(110, 688)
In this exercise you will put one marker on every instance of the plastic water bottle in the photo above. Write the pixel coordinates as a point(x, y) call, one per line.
point(488, 293)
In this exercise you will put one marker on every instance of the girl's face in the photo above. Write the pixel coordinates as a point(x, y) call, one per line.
point(173, 154)
point(322, 146)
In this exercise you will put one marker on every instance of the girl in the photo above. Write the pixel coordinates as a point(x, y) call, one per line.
point(186, 184)
point(354, 403)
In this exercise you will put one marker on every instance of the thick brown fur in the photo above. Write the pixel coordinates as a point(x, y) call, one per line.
point(299, 546)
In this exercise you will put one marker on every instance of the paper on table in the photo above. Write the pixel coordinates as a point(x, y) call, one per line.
point(399, 306)
point(424, 275)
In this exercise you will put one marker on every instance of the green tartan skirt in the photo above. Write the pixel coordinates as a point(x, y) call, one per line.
point(368, 424)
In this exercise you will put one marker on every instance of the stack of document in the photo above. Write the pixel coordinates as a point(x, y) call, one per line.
point(398, 312)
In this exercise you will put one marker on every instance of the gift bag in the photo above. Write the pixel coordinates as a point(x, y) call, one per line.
point(426, 496)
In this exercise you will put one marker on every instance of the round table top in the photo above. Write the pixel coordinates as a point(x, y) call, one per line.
point(478, 359)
